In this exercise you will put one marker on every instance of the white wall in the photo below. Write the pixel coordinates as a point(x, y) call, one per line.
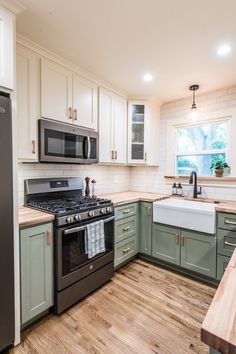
point(110, 179)
point(151, 179)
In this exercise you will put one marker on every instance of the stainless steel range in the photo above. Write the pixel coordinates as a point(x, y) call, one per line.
point(76, 273)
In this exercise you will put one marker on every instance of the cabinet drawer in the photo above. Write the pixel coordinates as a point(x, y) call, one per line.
point(227, 221)
point(126, 210)
point(222, 263)
point(124, 250)
point(226, 242)
point(125, 228)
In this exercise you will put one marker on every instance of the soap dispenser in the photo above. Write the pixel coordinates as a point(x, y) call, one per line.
point(179, 190)
point(174, 189)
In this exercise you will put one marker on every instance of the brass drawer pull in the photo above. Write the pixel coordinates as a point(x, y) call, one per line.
point(112, 155)
point(229, 244)
point(75, 114)
point(33, 146)
point(115, 155)
point(182, 240)
point(230, 222)
point(126, 250)
point(145, 157)
point(49, 237)
point(126, 228)
point(150, 211)
point(177, 239)
point(127, 211)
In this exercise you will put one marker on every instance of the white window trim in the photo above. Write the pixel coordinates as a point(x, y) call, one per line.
point(183, 122)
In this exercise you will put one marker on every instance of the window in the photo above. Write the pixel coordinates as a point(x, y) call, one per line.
point(199, 146)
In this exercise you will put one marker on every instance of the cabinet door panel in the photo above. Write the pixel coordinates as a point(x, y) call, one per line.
point(36, 271)
point(28, 110)
point(105, 126)
point(85, 102)
point(146, 228)
point(165, 243)
point(56, 91)
point(198, 253)
point(222, 263)
point(120, 129)
point(6, 49)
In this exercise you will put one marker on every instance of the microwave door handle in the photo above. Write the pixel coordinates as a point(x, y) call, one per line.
point(86, 147)
point(89, 148)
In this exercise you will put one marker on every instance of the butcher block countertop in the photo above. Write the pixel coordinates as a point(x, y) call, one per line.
point(29, 217)
point(131, 197)
point(219, 326)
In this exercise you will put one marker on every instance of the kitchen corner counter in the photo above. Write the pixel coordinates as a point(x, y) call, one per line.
point(132, 197)
point(219, 326)
point(29, 217)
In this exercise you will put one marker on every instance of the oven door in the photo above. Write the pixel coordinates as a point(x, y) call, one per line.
point(65, 143)
point(71, 261)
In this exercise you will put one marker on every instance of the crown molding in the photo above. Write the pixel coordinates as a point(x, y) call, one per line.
point(13, 5)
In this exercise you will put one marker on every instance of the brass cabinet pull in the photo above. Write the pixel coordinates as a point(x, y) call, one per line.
point(127, 211)
point(126, 228)
point(230, 222)
point(70, 113)
point(115, 155)
point(182, 240)
point(112, 155)
point(49, 237)
point(145, 157)
point(150, 211)
point(177, 239)
point(75, 114)
point(33, 146)
point(229, 244)
point(126, 250)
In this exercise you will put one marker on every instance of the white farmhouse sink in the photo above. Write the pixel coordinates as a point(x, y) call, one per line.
point(187, 214)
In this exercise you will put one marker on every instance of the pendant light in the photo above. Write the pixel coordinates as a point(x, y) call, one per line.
point(194, 88)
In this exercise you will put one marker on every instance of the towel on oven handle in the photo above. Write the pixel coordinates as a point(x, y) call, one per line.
point(94, 238)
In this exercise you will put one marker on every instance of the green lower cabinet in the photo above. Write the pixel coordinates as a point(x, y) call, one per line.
point(145, 221)
point(165, 243)
point(222, 263)
point(36, 259)
point(198, 252)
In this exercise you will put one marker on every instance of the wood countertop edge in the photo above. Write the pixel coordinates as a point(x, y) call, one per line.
point(30, 217)
point(210, 333)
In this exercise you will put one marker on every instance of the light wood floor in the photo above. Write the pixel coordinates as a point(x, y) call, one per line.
point(144, 309)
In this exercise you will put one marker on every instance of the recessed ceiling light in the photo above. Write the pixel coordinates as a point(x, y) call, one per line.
point(224, 49)
point(148, 77)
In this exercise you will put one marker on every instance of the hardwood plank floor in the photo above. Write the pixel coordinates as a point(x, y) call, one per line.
point(143, 309)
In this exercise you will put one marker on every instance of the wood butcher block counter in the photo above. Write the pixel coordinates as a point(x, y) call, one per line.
point(219, 326)
point(132, 197)
point(28, 217)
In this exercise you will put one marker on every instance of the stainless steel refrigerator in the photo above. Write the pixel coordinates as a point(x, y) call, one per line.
point(7, 325)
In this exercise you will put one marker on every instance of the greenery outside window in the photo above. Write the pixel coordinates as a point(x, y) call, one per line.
point(198, 146)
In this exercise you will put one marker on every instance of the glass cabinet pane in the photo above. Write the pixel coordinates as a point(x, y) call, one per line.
point(138, 113)
point(137, 133)
point(137, 152)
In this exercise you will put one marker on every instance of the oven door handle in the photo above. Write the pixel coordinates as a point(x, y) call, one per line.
point(82, 228)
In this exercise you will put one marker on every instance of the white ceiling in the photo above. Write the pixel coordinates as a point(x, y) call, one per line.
point(120, 40)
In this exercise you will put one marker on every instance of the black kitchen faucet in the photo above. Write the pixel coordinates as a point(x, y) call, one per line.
point(195, 188)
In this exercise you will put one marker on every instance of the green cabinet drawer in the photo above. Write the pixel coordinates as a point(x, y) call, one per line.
point(198, 252)
point(36, 268)
point(145, 228)
point(222, 263)
point(226, 242)
point(125, 228)
point(124, 250)
point(126, 210)
point(165, 243)
point(227, 221)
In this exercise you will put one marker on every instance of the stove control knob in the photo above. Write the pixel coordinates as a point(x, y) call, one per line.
point(69, 219)
point(103, 211)
point(91, 213)
point(108, 209)
point(77, 217)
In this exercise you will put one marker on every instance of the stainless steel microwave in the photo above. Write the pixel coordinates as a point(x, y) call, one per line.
point(66, 143)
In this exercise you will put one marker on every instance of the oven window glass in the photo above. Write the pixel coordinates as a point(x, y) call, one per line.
point(64, 144)
point(73, 248)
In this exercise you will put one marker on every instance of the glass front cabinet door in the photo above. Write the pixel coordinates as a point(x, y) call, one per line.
point(137, 119)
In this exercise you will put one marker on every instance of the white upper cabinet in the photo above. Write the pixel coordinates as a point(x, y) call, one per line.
point(112, 127)
point(67, 97)
point(143, 132)
point(84, 102)
point(28, 102)
point(6, 49)
point(56, 92)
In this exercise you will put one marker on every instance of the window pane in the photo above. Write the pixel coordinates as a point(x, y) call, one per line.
point(201, 138)
point(199, 163)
